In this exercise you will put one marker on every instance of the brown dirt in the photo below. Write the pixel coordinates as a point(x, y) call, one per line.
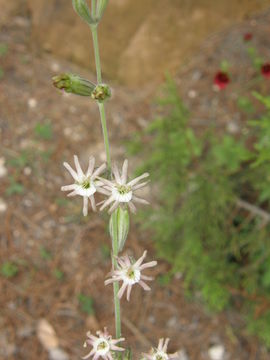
point(41, 218)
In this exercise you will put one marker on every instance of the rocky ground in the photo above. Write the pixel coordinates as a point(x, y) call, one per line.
point(57, 260)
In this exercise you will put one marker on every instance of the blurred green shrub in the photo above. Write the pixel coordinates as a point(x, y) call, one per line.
point(208, 222)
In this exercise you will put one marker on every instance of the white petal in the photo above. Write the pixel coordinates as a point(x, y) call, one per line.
point(129, 291)
point(116, 174)
point(113, 207)
point(68, 187)
point(139, 186)
point(144, 285)
point(78, 167)
point(122, 290)
point(93, 203)
point(71, 171)
point(140, 200)
point(148, 265)
point(132, 207)
point(124, 172)
point(99, 170)
point(91, 166)
point(85, 206)
point(107, 203)
point(137, 179)
point(140, 260)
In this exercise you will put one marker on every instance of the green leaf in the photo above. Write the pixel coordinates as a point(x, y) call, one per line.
point(9, 269)
point(86, 304)
point(44, 131)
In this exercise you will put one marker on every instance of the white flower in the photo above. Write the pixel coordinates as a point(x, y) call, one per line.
point(102, 345)
point(120, 191)
point(130, 274)
point(160, 353)
point(86, 184)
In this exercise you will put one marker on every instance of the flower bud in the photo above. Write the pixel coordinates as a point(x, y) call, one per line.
point(101, 6)
point(119, 226)
point(101, 92)
point(74, 84)
point(82, 9)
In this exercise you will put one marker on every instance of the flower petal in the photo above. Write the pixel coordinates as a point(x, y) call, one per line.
point(91, 166)
point(78, 167)
point(71, 171)
point(124, 172)
point(137, 179)
point(85, 206)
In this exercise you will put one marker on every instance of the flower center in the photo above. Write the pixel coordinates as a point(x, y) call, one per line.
point(86, 184)
point(122, 189)
point(133, 275)
point(102, 347)
point(122, 193)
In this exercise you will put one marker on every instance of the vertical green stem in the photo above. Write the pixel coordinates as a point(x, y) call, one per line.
point(107, 149)
point(105, 133)
point(101, 105)
point(116, 284)
point(96, 50)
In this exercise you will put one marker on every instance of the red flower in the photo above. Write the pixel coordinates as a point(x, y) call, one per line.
point(221, 79)
point(265, 70)
point(247, 37)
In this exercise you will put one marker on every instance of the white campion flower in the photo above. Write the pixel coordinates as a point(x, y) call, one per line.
point(102, 345)
point(160, 353)
point(120, 191)
point(86, 184)
point(130, 273)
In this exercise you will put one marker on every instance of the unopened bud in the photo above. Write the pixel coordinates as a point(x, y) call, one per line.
point(73, 84)
point(92, 18)
point(101, 6)
point(119, 226)
point(82, 9)
point(101, 92)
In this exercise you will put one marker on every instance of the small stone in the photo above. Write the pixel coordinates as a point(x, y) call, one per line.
point(32, 103)
point(3, 206)
point(216, 352)
point(192, 94)
point(232, 128)
point(3, 169)
point(27, 171)
point(58, 354)
point(55, 67)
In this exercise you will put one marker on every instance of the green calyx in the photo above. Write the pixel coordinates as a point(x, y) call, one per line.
point(119, 224)
point(101, 93)
point(73, 84)
point(91, 17)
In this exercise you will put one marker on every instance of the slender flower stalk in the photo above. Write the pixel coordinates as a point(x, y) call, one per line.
point(108, 156)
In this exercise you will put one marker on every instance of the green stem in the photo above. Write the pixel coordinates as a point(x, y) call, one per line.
point(101, 105)
point(107, 149)
point(105, 134)
point(96, 50)
point(116, 284)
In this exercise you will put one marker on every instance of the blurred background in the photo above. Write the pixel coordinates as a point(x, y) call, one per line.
point(191, 82)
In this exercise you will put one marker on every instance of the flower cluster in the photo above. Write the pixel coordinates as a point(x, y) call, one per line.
point(130, 273)
point(120, 191)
